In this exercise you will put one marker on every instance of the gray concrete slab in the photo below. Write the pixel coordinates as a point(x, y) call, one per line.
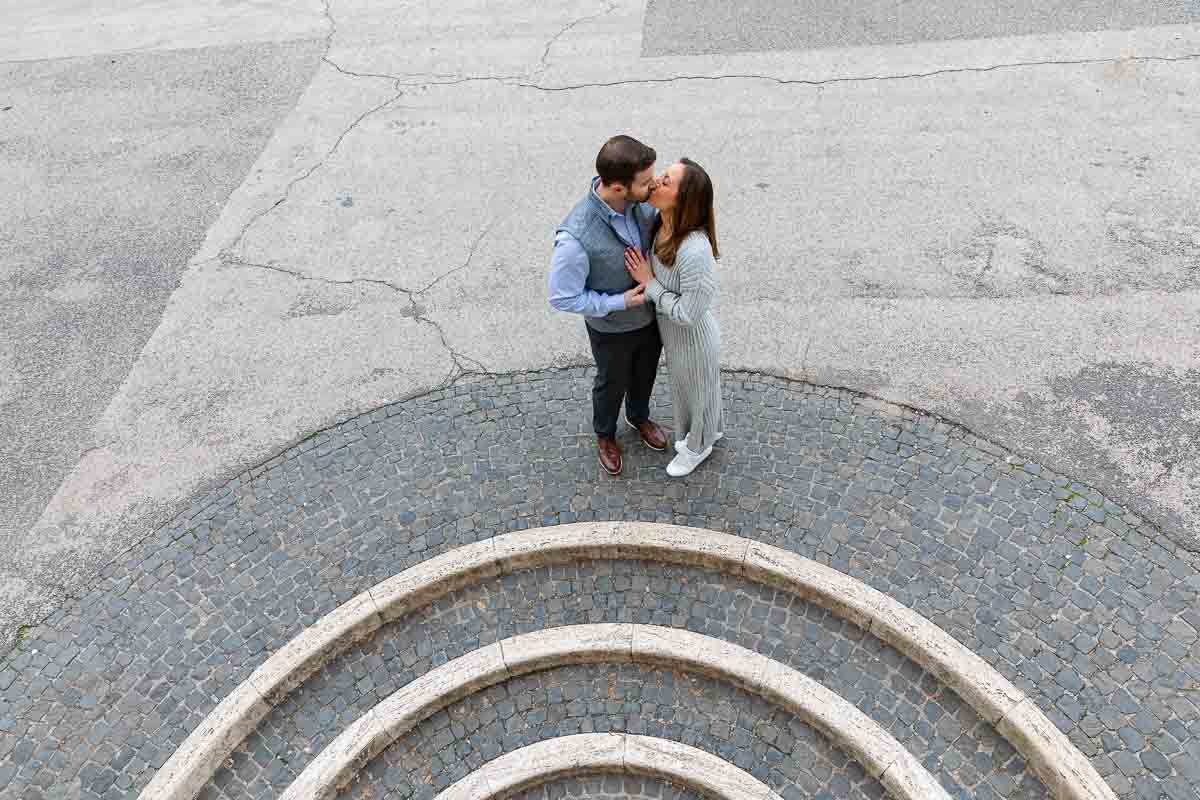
point(121, 162)
point(68, 28)
point(685, 27)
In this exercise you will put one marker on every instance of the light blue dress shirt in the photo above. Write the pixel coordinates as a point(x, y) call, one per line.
point(569, 267)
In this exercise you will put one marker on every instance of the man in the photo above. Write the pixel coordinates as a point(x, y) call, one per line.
point(588, 277)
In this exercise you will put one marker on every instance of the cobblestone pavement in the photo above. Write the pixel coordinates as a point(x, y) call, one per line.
point(1079, 602)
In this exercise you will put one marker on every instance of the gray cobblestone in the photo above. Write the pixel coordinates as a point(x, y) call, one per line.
point(1022, 577)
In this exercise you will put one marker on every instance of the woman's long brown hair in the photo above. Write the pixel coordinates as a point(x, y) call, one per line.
point(693, 212)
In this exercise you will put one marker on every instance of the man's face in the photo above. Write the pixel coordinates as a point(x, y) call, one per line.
point(643, 184)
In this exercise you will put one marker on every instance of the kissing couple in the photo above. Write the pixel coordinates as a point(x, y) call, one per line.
point(636, 257)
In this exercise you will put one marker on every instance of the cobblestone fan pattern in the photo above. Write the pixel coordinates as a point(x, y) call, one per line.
point(607, 787)
point(772, 745)
point(971, 759)
point(1081, 603)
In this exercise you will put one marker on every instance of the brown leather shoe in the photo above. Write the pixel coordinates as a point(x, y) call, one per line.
point(652, 435)
point(610, 455)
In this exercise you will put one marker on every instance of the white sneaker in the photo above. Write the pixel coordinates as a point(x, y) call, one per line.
point(683, 442)
point(686, 461)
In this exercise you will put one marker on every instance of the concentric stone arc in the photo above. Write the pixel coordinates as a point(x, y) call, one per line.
point(589, 753)
point(1060, 764)
point(861, 738)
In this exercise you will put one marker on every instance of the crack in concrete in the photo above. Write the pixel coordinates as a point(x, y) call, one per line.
point(864, 78)
point(415, 312)
point(516, 80)
point(233, 260)
point(470, 255)
point(543, 62)
point(260, 215)
point(351, 73)
point(456, 357)
point(328, 13)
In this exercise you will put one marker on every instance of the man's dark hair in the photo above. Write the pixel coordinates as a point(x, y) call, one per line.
point(621, 158)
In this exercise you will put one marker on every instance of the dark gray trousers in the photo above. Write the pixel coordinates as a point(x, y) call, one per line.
point(626, 366)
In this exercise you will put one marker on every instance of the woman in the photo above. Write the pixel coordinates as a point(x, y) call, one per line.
point(680, 279)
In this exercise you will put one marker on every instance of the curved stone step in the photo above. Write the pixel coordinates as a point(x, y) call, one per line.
point(970, 758)
point(1064, 770)
point(856, 734)
point(589, 753)
point(604, 787)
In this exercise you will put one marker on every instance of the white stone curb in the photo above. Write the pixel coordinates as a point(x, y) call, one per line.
point(1064, 770)
point(855, 733)
point(608, 753)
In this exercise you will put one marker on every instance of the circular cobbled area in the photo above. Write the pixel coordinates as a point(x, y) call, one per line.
point(1082, 605)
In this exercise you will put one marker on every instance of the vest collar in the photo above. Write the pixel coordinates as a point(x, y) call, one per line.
point(603, 207)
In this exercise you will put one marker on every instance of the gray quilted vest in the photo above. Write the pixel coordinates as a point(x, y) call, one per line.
point(588, 223)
